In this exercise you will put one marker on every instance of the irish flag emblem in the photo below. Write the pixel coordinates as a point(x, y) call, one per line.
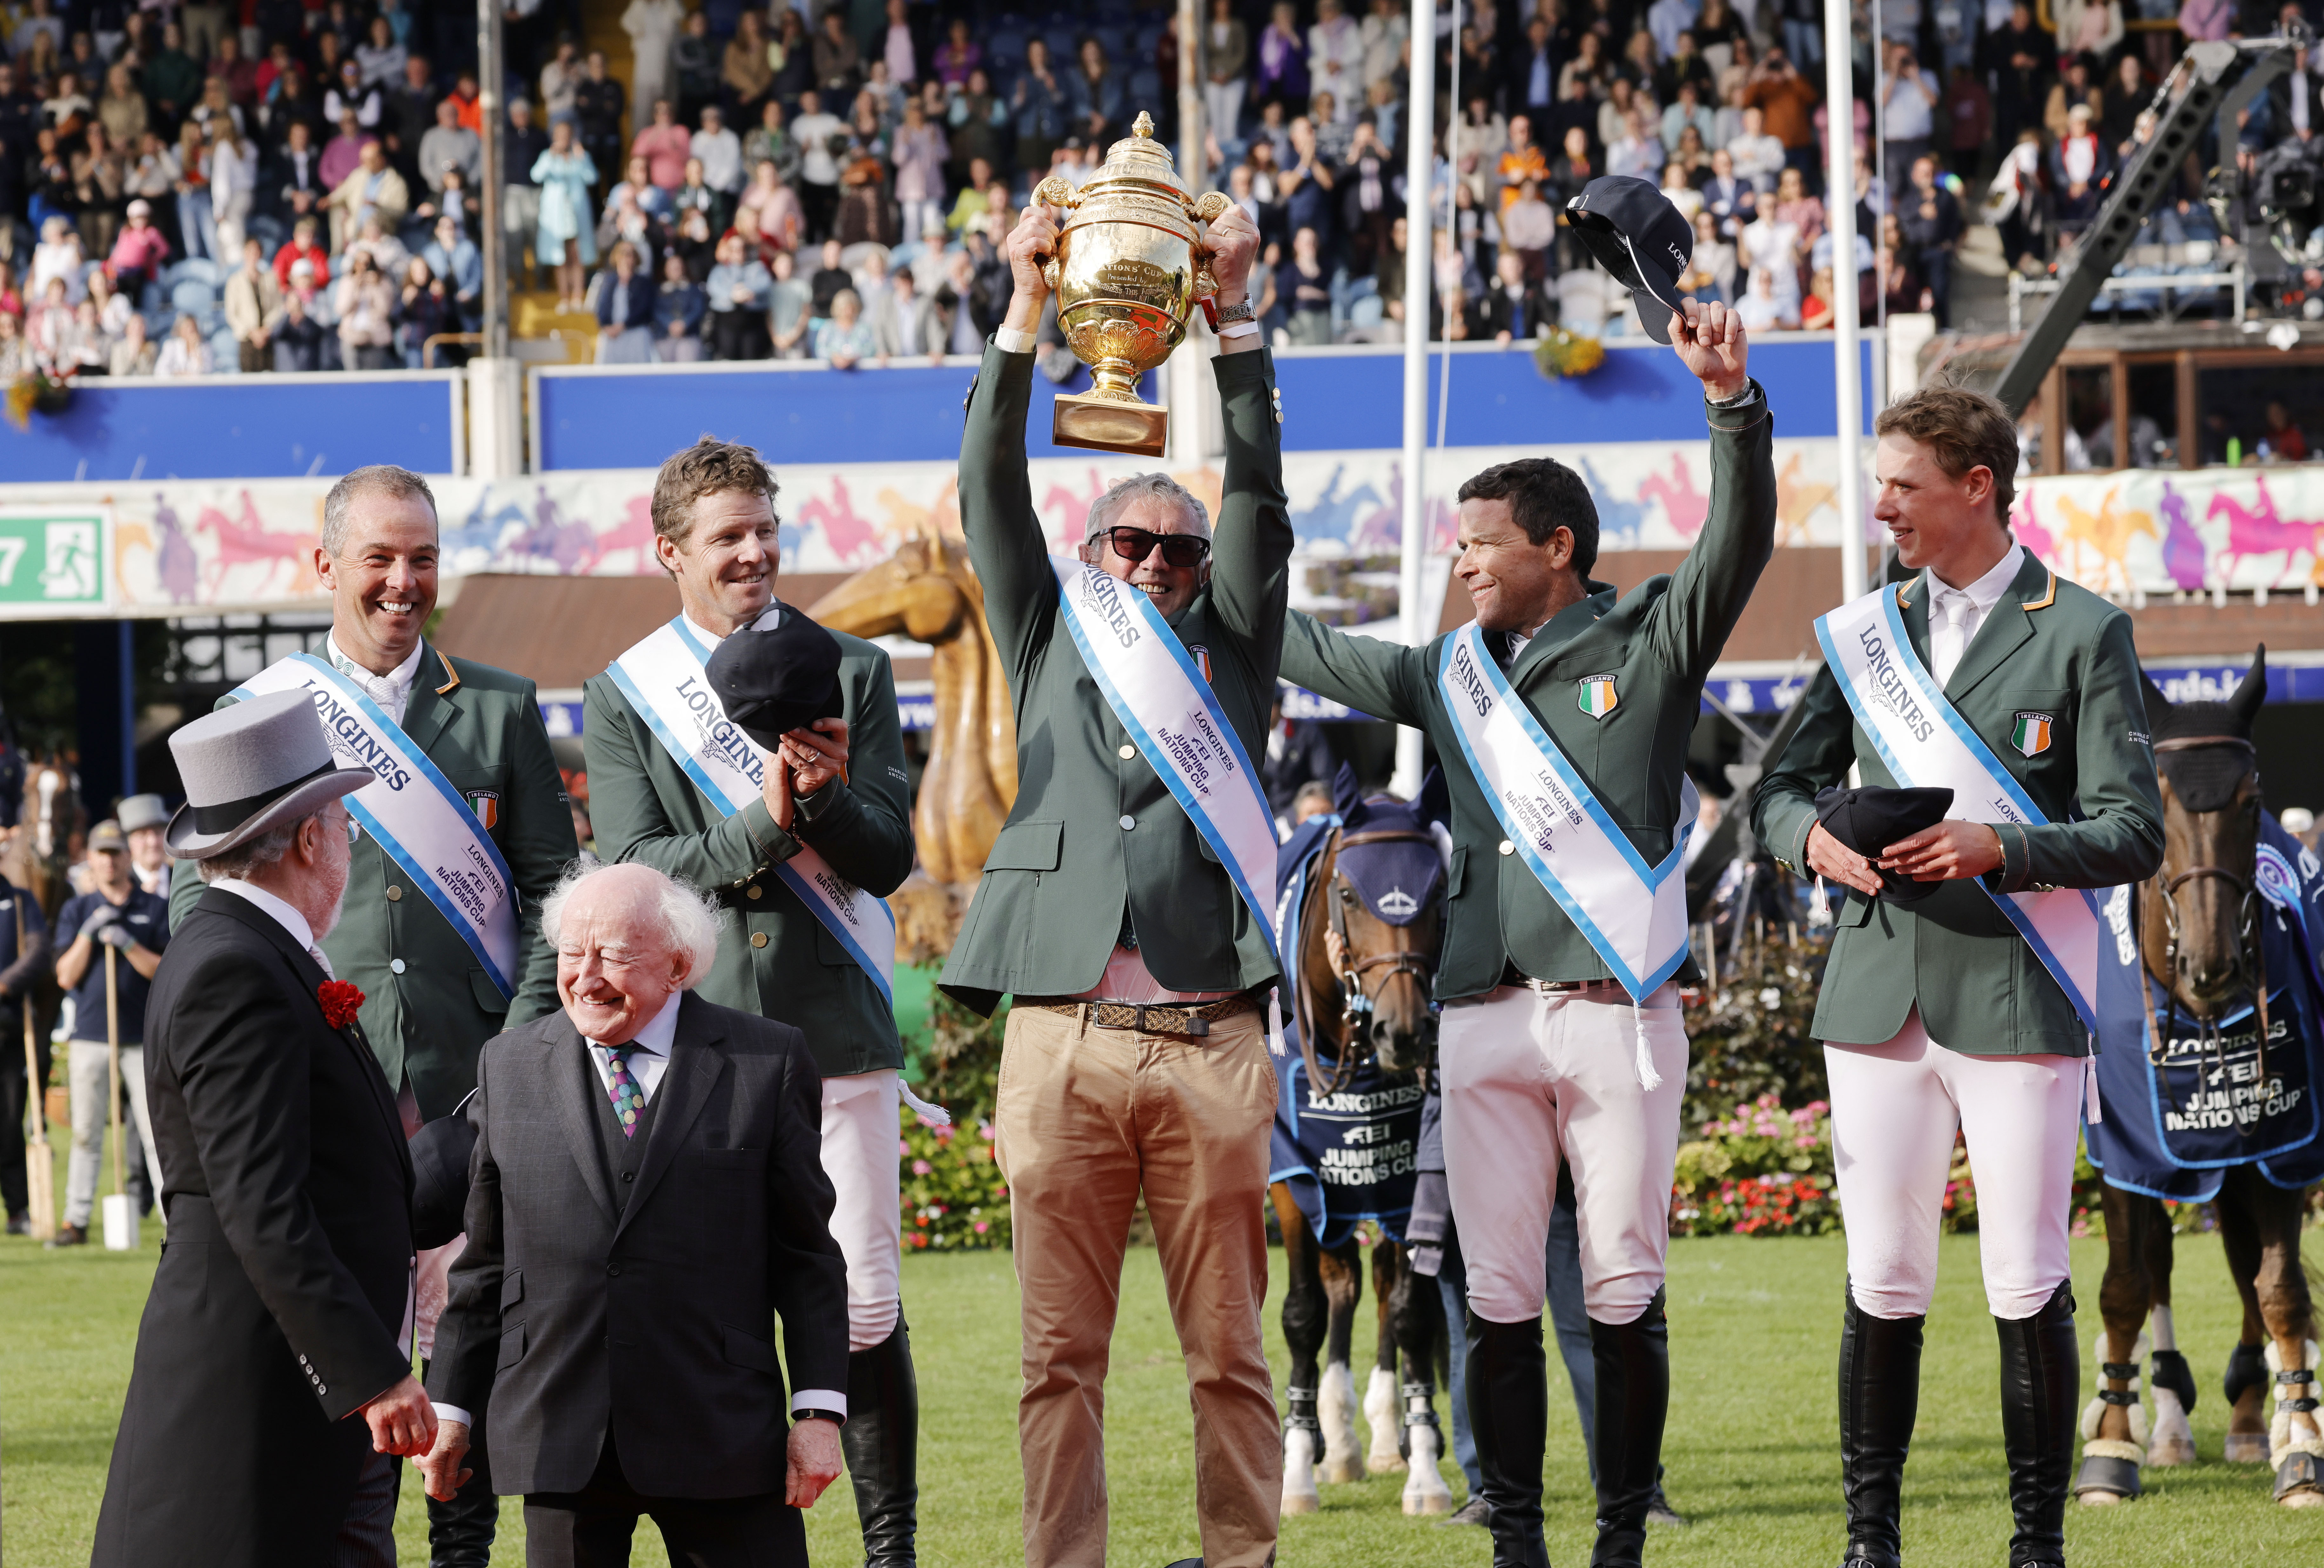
point(1598, 695)
point(2031, 735)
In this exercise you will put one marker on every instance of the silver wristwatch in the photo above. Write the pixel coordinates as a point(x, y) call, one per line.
point(1230, 314)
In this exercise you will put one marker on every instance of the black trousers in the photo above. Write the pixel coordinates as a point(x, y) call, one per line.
point(591, 1528)
point(13, 1188)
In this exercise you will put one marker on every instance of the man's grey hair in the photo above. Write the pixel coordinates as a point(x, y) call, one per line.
point(690, 919)
point(255, 855)
point(379, 479)
point(1145, 487)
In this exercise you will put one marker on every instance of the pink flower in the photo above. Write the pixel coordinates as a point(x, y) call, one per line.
point(921, 1167)
point(903, 1147)
point(982, 1227)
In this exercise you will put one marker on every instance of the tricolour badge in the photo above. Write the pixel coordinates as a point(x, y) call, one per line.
point(1201, 659)
point(486, 804)
point(2031, 735)
point(1598, 695)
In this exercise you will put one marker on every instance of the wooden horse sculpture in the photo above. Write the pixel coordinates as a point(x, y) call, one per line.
point(1362, 908)
point(927, 591)
point(2218, 1048)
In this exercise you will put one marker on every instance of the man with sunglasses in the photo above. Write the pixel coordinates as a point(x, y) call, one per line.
point(1561, 1042)
point(1136, 1056)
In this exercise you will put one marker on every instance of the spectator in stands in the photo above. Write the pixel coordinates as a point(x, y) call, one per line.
point(958, 55)
point(138, 250)
point(737, 296)
point(2090, 28)
point(720, 151)
point(663, 146)
point(365, 303)
point(625, 309)
point(1226, 56)
point(408, 113)
point(122, 111)
point(598, 104)
point(822, 138)
point(772, 142)
point(135, 353)
point(1762, 308)
point(1787, 103)
point(299, 338)
point(1514, 307)
point(1040, 105)
point(920, 153)
point(1930, 221)
point(566, 239)
point(173, 80)
point(2079, 165)
point(253, 308)
point(184, 353)
point(679, 306)
point(903, 323)
point(233, 186)
point(449, 145)
point(375, 190)
point(454, 258)
point(1710, 269)
point(652, 26)
point(790, 307)
point(1909, 97)
point(773, 208)
point(845, 338)
point(15, 354)
point(423, 308)
point(343, 153)
point(838, 61)
point(560, 81)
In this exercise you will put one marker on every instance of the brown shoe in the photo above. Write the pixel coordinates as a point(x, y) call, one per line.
point(70, 1235)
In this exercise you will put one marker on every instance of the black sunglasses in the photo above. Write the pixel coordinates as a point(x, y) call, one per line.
point(1178, 549)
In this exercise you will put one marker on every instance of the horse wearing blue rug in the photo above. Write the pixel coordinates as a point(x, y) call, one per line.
point(2211, 1053)
point(1359, 915)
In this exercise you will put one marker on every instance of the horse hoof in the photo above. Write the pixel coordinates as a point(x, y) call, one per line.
point(2303, 1499)
point(2246, 1448)
point(2300, 1480)
point(1301, 1502)
point(2105, 1479)
point(1342, 1471)
point(1442, 1503)
point(1384, 1464)
point(2164, 1453)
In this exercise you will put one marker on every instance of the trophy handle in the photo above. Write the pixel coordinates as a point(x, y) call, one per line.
point(1212, 206)
point(1054, 192)
point(1207, 208)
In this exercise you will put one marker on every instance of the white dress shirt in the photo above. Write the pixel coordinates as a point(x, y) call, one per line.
point(1955, 614)
point(392, 691)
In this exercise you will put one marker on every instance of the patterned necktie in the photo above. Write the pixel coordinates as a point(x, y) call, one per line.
point(378, 687)
point(628, 1098)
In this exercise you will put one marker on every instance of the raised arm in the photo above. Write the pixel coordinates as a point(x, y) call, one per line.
point(1250, 583)
point(1690, 624)
point(537, 844)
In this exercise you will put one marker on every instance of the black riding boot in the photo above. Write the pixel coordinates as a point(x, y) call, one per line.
point(1880, 1400)
point(460, 1532)
point(1633, 1366)
point(2041, 1375)
point(1508, 1385)
point(881, 1441)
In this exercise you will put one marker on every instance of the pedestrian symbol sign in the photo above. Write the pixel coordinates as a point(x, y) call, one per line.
point(53, 560)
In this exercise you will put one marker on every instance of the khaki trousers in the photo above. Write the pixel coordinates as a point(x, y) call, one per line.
point(1087, 1118)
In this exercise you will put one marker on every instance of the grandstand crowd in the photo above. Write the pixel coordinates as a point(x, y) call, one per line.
point(295, 185)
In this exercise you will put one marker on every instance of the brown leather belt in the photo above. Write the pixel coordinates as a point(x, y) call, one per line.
point(1145, 1018)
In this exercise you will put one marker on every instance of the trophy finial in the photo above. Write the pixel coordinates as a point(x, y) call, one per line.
point(1143, 126)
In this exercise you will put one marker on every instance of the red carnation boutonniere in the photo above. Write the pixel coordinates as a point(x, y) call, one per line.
point(341, 999)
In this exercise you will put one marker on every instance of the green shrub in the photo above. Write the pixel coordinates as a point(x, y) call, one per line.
point(953, 1194)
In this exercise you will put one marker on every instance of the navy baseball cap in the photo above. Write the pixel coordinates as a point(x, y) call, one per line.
point(1870, 819)
point(1634, 232)
point(780, 674)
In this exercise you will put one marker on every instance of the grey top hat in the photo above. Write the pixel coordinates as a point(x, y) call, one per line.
point(252, 766)
point(143, 811)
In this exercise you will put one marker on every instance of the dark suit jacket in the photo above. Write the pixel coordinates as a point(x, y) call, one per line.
point(566, 1320)
point(275, 1314)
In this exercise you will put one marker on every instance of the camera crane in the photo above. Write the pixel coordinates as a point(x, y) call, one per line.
point(2199, 87)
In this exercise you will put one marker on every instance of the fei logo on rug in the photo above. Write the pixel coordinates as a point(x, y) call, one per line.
point(2031, 734)
point(1599, 696)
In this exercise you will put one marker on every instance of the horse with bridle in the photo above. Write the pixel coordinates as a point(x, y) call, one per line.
point(1359, 916)
point(2212, 1050)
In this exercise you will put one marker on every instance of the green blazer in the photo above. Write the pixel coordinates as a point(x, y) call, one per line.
point(428, 1008)
point(1096, 843)
point(775, 958)
point(1658, 642)
point(2049, 647)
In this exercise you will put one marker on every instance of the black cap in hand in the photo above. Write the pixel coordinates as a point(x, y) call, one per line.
point(1635, 233)
point(1870, 819)
point(777, 676)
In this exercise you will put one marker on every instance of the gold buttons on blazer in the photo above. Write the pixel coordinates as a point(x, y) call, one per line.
point(758, 938)
point(395, 893)
point(1128, 751)
point(755, 891)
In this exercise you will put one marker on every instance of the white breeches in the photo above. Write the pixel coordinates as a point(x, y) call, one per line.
point(859, 1155)
point(1894, 1108)
point(1531, 1079)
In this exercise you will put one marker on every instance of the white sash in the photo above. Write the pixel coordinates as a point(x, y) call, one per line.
point(418, 816)
point(1634, 914)
point(667, 680)
point(1928, 745)
point(1163, 701)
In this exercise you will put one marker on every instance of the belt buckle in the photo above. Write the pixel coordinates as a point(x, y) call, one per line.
point(1191, 1027)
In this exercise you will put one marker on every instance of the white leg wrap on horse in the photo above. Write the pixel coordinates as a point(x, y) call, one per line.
point(2290, 1431)
point(1425, 1491)
point(1385, 1416)
point(1335, 1409)
point(2095, 1411)
point(2159, 1329)
point(1299, 1493)
point(2173, 1441)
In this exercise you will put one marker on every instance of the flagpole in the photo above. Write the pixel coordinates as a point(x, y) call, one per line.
point(1415, 621)
point(1839, 213)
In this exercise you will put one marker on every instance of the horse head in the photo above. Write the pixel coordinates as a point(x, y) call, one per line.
point(1380, 888)
point(922, 592)
point(2197, 919)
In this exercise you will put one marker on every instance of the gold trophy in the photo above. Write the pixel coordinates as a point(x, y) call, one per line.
point(1128, 270)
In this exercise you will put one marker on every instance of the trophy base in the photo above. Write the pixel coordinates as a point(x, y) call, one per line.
point(1105, 424)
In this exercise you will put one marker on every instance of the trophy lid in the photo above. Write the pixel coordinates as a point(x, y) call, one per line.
point(1139, 157)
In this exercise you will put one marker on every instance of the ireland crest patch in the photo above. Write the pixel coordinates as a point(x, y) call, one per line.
point(486, 804)
point(1599, 696)
point(2031, 734)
